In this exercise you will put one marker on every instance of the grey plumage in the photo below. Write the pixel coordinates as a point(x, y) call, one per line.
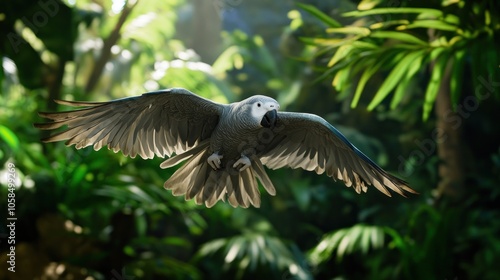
point(225, 146)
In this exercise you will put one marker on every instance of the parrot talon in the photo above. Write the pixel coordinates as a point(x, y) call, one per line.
point(214, 161)
point(244, 161)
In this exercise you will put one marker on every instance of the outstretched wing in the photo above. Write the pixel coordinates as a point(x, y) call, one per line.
point(311, 143)
point(155, 123)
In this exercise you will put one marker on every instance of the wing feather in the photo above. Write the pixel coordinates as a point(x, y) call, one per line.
point(157, 123)
point(309, 142)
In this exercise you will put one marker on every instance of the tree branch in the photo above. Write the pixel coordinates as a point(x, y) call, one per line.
point(106, 48)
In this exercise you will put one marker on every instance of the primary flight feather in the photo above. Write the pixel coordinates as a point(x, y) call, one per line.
point(226, 146)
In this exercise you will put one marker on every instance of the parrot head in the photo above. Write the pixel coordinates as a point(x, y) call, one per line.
point(264, 110)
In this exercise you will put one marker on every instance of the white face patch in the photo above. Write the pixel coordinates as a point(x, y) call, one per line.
point(263, 105)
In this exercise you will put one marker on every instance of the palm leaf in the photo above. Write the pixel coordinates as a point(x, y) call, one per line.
point(345, 241)
point(438, 71)
point(9, 137)
point(430, 24)
point(341, 78)
point(368, 4)
point(352, 30)
point(405, 82)
point(246, 252)
point(431, 12)
point(401, 36)
point(385, 24)
point(394, 77)
point(367, 74)
point(342, 52)
point(456, 77)
point(329, 21)
point(363, 45)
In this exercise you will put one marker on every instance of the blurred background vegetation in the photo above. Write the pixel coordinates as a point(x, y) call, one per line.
point(414, 84)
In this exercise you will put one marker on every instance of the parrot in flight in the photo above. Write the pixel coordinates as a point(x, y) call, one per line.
point(225, 146)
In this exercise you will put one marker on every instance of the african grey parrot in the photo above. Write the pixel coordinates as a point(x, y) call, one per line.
point(226, 146)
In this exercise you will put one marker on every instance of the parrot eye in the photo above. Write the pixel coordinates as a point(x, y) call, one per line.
point(258, 104)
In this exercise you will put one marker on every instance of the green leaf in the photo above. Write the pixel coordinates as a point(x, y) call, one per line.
point(452, 19)
point(251, 250)
point(141, 224)
point(353, 30)
point(9, 138)
point(233, 249)
point(227, 60)
point(397, 35)
point(430, 24)
point(367, 74)
point(397, 239)
point(405, 83)
point(433, 86)
point(435, 53)
point(372, 66)
point(377, 237)
point(400, 91)
point(445, 3)
point(140, 195)
point(345, 241)
point(333, 43)
point(385, 24)
point(211, 247)
point(456, 77)
point(365, 241)
point(433, 12)
point(343, 245)
point(78, 174)
point(368, 4)
point(362, 45)
point(321, 41)
point(342, 52)
point(323, 251)
point(354, 237)
point(177, 241)
point(394, 77)
point(328, 20)
point(341, 78)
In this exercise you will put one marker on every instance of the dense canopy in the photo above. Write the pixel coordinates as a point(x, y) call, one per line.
point(412, 85)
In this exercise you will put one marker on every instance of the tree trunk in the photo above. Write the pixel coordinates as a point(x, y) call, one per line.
point(206, 28)
point(449, 144)
point(53, 82)
point(110, 41)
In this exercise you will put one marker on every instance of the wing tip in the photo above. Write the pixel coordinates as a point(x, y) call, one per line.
point(78, 103)
point(402, 186)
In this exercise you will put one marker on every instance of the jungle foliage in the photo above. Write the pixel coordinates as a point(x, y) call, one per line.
point(413, 84)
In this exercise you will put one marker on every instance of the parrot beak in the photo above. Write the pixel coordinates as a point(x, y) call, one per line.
point(269, 120)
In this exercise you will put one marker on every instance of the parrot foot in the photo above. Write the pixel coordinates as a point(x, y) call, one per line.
point(244, 162)
point(214, 161)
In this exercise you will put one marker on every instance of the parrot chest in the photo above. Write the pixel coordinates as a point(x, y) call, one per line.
point(232, 141)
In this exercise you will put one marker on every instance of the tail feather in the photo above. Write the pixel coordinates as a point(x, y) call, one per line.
point(235, 197)
point(197, 180)
point(262, 175)
point(215, 182)
point(251, 187)
point(215, 196)
point(184, 179)
point(172, 161)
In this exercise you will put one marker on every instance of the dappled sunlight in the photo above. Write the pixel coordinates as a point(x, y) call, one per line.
point(414, 88)
point(162, 67)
